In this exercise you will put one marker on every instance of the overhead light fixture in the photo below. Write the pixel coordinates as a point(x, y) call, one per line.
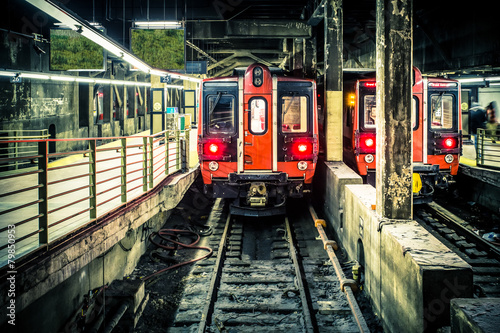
point(63, 78)
point(35, 76)
point(470, 80)
point(158, 24)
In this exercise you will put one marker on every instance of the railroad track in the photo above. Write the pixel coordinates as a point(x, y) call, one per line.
point(459, 236)
point(265, 277)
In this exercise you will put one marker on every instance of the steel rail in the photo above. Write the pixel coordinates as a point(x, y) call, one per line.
point(215, 280)
point(457, 224)
point(308, 322)
point(345, 284)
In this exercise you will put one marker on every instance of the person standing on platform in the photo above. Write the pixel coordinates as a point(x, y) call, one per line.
point(478, 117)
point(492, 124)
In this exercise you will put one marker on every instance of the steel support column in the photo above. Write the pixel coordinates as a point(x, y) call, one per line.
point(394, 100)
point(333, 79)
point(298, 57)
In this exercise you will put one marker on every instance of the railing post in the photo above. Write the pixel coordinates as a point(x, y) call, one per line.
point(123, 160)
point(167, 163)
point(144, 164)
point(93, 178)
point(16, 149)
point(188, 147)
point(151, 162)
point(481, 150)
point(178, 149)
point(43, 205)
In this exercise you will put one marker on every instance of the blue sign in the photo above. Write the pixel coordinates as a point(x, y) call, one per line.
point(196, 67)
point(166, 79)
point(16, 79)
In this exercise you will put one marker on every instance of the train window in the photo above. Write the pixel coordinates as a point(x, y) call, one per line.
point(441, 111)
point(221, 113)
point(294, 114)
point(370, 114)
point(258, 116)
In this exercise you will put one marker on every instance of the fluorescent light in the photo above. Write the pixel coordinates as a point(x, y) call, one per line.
point(63, 78)
point(159, 24)
point(103, 81)
point(7, 73)
point(157, 72)
point(35, 76)
point(475, 79)
point(84, 79)
point(493, 78)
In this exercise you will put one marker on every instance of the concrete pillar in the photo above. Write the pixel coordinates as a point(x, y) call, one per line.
point(298, 57)
point(394, 97)
point(333, 79)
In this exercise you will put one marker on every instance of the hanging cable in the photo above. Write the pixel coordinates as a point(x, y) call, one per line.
point(170, 236)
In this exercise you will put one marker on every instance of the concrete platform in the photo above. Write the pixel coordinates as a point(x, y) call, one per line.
point(409, 275)
point(481, 185)
point(475, 315)
point(48, 289)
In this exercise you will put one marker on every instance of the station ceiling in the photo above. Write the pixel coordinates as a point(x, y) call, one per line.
point(448, 38)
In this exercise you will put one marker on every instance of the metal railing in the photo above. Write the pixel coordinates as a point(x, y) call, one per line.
point(16, 143)
point(488, 149)
point(48, 201)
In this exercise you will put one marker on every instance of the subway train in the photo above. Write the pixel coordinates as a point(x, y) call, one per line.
point(257, 139)
point(436, 123)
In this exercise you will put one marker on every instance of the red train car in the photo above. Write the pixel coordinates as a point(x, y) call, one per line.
point(257, 139)
point(437, 131)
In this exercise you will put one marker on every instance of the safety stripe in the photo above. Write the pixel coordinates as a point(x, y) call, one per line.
point(241, 136)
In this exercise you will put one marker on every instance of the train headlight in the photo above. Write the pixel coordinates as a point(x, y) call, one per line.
point(369, 158)
point(213, 166)
point(302, 165)
point(449, 158)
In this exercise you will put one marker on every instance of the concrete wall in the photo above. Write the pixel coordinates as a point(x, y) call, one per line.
point(409, 275)
point(480, 185)
point(50, 289)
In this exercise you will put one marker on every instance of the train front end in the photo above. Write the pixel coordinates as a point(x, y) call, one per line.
point(257, 139)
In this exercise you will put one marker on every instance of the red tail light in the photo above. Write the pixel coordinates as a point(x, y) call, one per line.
point(449, 143)
point(212, 149)
point(368, 142)
point(302, 149)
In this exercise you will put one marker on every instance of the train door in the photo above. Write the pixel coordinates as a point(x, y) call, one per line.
point(417, 126)
point(418, 116)
point(257, 132)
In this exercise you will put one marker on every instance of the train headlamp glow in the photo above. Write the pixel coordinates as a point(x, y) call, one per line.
point(369, 158)
point(302, 165)
point(213, 166)
point(449, 158)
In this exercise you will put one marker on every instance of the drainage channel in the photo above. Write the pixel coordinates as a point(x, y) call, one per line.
point(264, 277)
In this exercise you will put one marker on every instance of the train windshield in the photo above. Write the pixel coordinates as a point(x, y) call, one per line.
point(294, 114)
point(370, 112)
point(441, 111)
point(221, 113)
